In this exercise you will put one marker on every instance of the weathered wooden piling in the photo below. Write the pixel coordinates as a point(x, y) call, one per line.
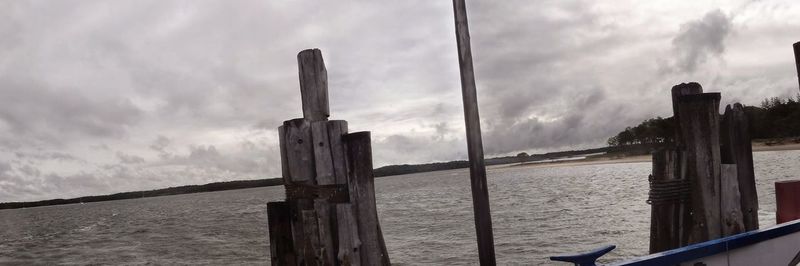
point(280, 234)
point(669, 194)
point(703, 186)
point(736, 148)
point(699, 124)
point(362, 188)
point(329, 217)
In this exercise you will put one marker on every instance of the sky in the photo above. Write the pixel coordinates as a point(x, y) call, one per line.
point(101, 97)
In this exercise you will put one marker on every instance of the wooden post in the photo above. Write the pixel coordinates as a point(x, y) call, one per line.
point(797, 59)
point(280, 234)
point(699, 124)
point(313, 84)
point(362, 188)
point(685, 211)
point(730, 207)
point(678, 91)
point(330, 216)
point(347, 242)
point(323, 162)
point(736, 148)
point(668, 197)
point(297, 148)
point(480, 192)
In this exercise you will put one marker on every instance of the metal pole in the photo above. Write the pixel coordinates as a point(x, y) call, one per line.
point(477, 169)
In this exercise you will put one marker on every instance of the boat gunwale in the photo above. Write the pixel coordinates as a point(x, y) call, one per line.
point(714, 247)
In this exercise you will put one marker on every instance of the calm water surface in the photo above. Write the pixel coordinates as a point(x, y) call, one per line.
point(426, 218)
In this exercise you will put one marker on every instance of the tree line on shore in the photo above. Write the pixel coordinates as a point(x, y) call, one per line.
point(217, 186)
point(774, 118)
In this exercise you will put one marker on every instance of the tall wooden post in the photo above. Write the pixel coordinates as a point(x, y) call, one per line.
point(477, 169)
point(329, 217)
point(797, 59)
point(736, 148)
point(699, 125)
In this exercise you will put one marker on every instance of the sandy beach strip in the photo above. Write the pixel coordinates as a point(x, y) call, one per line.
point(757, 147)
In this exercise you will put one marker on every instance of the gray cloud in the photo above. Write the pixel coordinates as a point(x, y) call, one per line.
point(57, 156)
point(160, 143)
point(129, 159)
point(34, 114)
point(4, 167)
point(701, 40)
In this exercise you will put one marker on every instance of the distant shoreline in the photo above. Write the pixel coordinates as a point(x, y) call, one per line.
point(591, 159)
point(758, 146)
point(211, 187)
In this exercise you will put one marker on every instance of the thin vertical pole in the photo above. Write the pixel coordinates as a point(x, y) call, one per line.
point(796, 47)
point(477, 169)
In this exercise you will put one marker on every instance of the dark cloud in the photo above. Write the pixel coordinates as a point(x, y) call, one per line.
point(700, 40)
point(35, 114)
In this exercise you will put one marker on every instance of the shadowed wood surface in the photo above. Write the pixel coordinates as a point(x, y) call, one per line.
point(699, 124)
point(736, 148)
point(664, 219)
point(362, 186)
point(678, 91)
point(668, 199)
point(280, 234)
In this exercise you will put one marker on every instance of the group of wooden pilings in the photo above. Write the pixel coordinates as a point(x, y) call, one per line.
point(703, 186)
point(329, 216)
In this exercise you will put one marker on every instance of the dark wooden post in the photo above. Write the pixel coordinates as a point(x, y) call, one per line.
point(736, 148)
point(669, 194)
point(699, 125)
point(477, 169)
point(280, 234)
point(362, 188)
point(332, 215)
point(677, 91)
point(796, 47)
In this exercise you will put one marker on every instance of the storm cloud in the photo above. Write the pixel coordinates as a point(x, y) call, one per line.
point(700, 40)
point(100, 97)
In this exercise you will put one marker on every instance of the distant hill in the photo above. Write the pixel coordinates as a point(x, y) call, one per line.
point(218, 186)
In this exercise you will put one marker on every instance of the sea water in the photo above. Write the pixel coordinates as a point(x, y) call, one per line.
point(426, 219)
